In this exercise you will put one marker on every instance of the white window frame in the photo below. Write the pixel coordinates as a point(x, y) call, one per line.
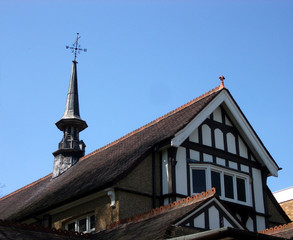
point(88, 222)
point(208, 170)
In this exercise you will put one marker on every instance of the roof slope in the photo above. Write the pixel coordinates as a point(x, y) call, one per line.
point(10, 230)
point(285, 231)
point(157, 224)
point(101, 168)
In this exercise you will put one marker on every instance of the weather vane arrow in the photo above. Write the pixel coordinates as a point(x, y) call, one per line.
point(75, 49)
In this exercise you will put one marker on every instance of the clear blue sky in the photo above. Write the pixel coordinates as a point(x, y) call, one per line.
point(144, 59)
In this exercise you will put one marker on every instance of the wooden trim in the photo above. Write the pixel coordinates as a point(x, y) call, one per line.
point(188, 171)
point(175, 195)
point(161, 180)
point(133, 192)
point(224, 128)
point(190, 161)
point(172, 170)
point(200, 134)
point(154, 184)
point(219, 153)
point(223, 113)
point(253, 217)
point(222, 214)
point(264, 174)
point(207, 217)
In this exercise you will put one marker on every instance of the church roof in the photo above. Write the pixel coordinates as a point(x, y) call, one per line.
point(103, 167)
point(109, 164)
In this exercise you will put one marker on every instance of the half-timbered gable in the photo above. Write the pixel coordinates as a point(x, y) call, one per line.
point(211, 215)
point(218, 148)
point(205, 144)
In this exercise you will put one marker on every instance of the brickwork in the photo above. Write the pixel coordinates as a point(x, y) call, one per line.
point(288, 208)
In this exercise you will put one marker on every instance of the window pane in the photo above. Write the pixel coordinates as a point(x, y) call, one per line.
point(216, 182)
point(71, 227)
point(241, 189)
point(92, 222)
point(228, 182)
point(82, 225)
point(198, 180)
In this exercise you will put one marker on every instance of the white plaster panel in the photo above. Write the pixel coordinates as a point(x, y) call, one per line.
point(206, 135)
point(252, 158)
point(242, 148)
point(260, 223)
point(244, 168)
point(249, 224)
point(194, 136)
point(227, 223)
point(181, 181)
point(199, 221)
point(231, 143)
point(217, 114)
point(194, 155)
point(233, 165)
point(258, 190)
point(219, 139)
point(207, 158)
point(214, 218)
point(166, 201)
point(221, 161)
point(227, 121)
point(165, 171)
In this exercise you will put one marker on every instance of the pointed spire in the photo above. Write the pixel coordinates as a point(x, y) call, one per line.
point(71, 114)
point(70, 149)
point(72, 105)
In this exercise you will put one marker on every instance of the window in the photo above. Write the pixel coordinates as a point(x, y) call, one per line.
point(199, 180)
point(230, 185)
point(84, 224)
point(216, 181)
point(229, 189)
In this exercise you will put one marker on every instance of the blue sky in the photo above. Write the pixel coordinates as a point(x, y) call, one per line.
point(144, 59)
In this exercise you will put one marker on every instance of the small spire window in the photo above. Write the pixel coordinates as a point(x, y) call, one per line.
point(68, 133)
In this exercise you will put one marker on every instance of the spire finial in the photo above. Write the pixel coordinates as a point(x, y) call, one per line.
point(222, 78)
point(76, 47)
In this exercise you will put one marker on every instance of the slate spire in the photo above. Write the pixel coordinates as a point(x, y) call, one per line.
point(70, 149)
point(72, 105)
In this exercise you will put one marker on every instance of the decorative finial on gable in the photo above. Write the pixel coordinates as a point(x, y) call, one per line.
point(222, 78)
point(75, 49)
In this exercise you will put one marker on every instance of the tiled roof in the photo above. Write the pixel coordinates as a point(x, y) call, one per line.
point(103, 167)
point(284, 231)
point(163, 209)
point(157, 224)
point(15, 231)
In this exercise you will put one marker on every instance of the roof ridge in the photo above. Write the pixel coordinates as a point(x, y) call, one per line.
point(277, 229)
point(159, 210)
point(26, 186)
point(220, 87)
point(43, 229)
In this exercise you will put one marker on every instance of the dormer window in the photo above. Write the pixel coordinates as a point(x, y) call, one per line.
point(83, 224)
point(230, 185)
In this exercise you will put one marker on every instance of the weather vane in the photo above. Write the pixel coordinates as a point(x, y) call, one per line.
point(76, 47)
